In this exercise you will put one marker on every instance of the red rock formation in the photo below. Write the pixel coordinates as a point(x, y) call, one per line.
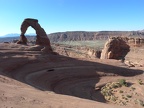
point(137, 41)
point(23, 40)
point(41, 38)
point(115, 48)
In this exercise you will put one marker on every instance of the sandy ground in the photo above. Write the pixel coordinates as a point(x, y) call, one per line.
point(30, 79)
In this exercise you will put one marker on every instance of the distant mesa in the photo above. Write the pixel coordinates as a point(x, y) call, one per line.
point(100, 35)
point(41, 36)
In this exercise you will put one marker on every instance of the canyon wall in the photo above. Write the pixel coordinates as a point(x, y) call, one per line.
point(82, 35)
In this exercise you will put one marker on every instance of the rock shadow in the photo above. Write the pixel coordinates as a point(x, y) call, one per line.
point(63, 75)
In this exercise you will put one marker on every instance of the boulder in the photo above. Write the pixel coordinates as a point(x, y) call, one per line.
point(115, 48)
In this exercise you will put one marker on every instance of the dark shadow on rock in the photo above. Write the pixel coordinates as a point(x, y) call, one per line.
point(60, 74)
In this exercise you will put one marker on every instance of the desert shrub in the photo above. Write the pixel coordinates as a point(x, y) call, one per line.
point(116, 85)
point(133, 88)
point(113, 98)
point(129, 96)
point(140, 82)
point(120, 91)
point(122, 82)
point(140, 102)
point(123, 103)
point(106, 92)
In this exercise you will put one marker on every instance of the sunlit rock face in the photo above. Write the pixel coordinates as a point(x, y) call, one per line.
point(41, 37)
point(115, 48)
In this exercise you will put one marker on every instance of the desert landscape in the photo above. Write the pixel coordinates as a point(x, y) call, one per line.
point(61, 75)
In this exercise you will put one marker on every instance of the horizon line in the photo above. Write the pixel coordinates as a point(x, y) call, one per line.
point(77, 31)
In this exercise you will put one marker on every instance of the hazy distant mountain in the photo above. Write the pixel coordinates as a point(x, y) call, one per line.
point(141, 30)
point(16, 35)
point(10, 35)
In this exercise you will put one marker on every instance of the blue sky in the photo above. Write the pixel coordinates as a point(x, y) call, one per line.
point(72, 15)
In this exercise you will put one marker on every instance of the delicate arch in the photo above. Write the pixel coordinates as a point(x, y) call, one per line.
point(41, 37)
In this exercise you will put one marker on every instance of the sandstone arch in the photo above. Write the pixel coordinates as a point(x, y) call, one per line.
point(41, 37)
